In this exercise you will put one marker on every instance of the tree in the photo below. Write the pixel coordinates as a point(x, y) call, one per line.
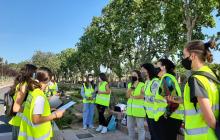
point(46, 59)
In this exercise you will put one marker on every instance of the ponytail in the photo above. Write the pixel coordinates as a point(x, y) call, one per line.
point(202, 49)
point(210, 44)
point(42, 75)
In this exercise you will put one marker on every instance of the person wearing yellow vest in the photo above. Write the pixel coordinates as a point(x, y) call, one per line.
point(88, 94)
point(169, 115)
point(52, 88)
point(102, 101)
point(20, 94)
point(37, 117)
point(135, 106)
point(152, 83)
point(201, 96)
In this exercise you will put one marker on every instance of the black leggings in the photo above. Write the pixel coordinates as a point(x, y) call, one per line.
point(152, 128)
point(101, 111)
point(167, 129)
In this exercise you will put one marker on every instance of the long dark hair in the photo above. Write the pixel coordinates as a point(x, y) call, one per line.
point(25, 75)
point(87, 81)
point(103, 77)
point(169, 65)
point(140, 79)
point(151, 70)
point(42, 75)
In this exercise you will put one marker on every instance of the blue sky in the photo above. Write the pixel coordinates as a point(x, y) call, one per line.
point(48, 25)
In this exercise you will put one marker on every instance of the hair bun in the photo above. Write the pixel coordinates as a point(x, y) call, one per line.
point(210, 44)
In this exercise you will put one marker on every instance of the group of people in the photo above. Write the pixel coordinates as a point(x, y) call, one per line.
point(153, 93)
point(32, 90)
point(166, 109)
point(98, 96)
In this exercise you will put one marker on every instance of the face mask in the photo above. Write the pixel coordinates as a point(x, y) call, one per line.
point(157, 70)
point(133, 78)
point(90, 79)
point(34, 75)
point(186, 62)
point(143, 75)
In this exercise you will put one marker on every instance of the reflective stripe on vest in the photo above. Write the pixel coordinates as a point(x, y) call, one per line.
point(88, 93)
point(196, 128)
point(197, 131)
point(194, 112)
point(29, 130)
point(135, 106)
point(29, 122)
point(149, 108)
point(103, 99)
point(46, 136)
point(161, 102)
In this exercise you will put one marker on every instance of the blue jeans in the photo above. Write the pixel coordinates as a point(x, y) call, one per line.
point(131, 123)
point(15, 132)
point(88, 114)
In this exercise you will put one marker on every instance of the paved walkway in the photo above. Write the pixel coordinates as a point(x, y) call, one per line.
point(5, 129)
point(70, 134)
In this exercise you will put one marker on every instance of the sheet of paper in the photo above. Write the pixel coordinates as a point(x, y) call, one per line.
point(66, 106)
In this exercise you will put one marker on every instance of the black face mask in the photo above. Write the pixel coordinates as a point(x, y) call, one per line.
point(186, 62)
point(143, 75)
point(134, 78)
point(157, 70)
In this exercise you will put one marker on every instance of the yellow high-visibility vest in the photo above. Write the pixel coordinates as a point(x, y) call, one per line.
point(195, 126)
point(135, 107)
point(29, 130)
point(103, 99)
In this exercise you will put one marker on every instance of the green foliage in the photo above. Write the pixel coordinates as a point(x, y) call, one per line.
point(131, 32)
point(47, 59)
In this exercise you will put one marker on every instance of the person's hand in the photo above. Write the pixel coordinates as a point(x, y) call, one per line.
point(53, 109)
point(59, 113)
point(173, 99)
point(58, 94)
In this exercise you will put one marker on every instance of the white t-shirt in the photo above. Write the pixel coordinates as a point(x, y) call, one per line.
point(39, 105)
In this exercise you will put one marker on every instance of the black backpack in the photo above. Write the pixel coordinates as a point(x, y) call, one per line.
point(9, 102)
point(214, 79)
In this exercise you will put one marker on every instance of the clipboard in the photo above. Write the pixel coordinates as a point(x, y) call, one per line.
point(66, 106)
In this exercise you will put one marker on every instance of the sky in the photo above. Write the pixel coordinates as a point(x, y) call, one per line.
point(47, 25)
point(27, 26)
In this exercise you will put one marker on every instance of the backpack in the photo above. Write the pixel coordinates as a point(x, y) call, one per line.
point(8, 103)
point(112, 123)
point(217, 81)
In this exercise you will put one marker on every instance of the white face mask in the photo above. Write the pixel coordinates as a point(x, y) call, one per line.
point(90, 79)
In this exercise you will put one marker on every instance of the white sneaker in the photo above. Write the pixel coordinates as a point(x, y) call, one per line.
point(91, 127)
point(99, 128)
point(84, 127)
point(104, 130)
